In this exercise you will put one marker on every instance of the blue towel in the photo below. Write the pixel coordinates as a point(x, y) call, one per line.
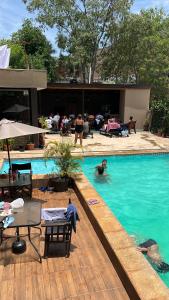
point(7, 221)
point(72, 215)
point(43, 188)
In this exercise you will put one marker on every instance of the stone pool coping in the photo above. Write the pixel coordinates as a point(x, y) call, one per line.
point(139, 278)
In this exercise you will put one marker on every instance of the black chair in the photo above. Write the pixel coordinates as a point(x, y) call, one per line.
point(24, 179)
point(57, 232)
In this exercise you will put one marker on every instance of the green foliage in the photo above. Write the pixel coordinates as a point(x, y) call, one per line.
point(165, 123)
point(11, 143)
point(139, 51)
point(1, 145)
point(36, 49)
point(82, 25)
point(31, 49)
point(160, 109)
point(43, 123)
point(17, 56)
point(65, 161)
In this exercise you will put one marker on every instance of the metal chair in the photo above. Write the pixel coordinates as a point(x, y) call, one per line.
point(24, 180)
point(57, 232)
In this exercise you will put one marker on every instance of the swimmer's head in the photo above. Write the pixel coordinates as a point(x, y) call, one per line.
point(104, 163)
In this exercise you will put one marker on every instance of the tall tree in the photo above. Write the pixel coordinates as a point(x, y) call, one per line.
point(17, 55)
point(82, 26)
point(38, 50)
point(139, 51)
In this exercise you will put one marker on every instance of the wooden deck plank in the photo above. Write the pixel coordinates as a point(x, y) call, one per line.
point(86, 274)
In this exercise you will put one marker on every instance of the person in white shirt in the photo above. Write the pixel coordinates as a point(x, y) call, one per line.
point(55, 120)
point(49, 123)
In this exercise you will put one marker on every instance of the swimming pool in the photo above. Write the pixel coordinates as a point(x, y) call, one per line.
point(39, 165)
point(136, 190)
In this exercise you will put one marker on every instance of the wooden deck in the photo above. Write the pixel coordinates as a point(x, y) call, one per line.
point(86, 274)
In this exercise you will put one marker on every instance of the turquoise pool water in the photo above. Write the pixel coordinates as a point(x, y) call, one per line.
point(136, 190)
point(39, 166)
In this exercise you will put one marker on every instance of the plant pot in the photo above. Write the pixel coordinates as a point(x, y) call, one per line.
point(30, 146)
point(60, 184)
point(5, 147)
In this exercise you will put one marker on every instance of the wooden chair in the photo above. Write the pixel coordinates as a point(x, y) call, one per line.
point(57, 232)
point(25, 182)
point(132, 125)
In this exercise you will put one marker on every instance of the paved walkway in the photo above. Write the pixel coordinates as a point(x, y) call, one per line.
point(139, 141)
point(143, 141)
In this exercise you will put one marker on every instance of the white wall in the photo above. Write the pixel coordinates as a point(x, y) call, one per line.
point(136, 104)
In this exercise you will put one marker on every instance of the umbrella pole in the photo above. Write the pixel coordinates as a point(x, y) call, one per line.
point(9, 160)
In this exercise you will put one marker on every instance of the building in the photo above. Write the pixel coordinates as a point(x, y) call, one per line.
point(20, 87)
point(29, 88)
point(122, 100)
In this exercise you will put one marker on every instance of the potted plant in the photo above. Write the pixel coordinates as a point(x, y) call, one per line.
point(44, 125)
point(11, 143)
point(66, 163)
point(42, 122)
point(30, 145)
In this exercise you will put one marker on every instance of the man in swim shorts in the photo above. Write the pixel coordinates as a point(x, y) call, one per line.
point(150, 248)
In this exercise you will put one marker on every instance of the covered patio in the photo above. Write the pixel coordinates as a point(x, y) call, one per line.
point(123, 100)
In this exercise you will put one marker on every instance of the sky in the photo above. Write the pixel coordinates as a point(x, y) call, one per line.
point(13, 12)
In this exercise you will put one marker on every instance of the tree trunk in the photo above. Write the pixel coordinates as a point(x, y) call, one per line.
point(93, 66)
point(83, 74)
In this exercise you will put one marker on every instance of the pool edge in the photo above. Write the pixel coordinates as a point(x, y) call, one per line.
point(138, 277)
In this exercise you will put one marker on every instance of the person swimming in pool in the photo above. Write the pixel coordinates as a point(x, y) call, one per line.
point(103, 164)
point(100, 170)
point(151, 249)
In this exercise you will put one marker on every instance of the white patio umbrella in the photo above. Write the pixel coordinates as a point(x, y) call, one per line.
point(11, 129)
point(16, 108)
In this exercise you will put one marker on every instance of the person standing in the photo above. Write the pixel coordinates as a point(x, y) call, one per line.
point(56, 119)
point(79, 129)
point(49, 123)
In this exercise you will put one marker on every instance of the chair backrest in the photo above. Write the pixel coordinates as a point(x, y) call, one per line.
point(61, 232)
point(19, 167)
